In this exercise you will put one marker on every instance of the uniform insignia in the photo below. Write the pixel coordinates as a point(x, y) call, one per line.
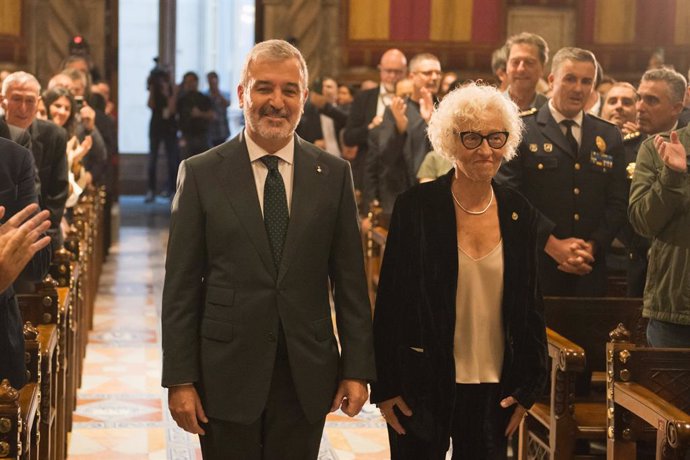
point(527, 112)
point(533, 148)
point(631, 136)
point(548, 148)
point(318, 169)
point(514, 216)
point(630, 169)
point(601, 144)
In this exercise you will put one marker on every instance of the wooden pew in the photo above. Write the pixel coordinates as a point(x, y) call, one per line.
point(647, 387)
point(577, 335)
point(374, 244)
point(46, 309)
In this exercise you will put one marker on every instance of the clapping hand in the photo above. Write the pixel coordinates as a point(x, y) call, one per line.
point(20, 239)
point(399, 108)
point(672, 152)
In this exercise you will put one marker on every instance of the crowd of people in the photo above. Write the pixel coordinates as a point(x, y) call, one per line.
point(530, 187)
point(54, 143)
point(184, 121)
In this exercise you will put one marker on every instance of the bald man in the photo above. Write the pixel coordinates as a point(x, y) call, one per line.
point(366, 115)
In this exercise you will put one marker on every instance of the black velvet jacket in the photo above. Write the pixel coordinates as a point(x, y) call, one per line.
point(415, 306)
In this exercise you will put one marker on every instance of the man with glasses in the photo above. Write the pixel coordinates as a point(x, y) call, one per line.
point(366, 114)
point(21, 93)
point(571, 166)
point(402, 141)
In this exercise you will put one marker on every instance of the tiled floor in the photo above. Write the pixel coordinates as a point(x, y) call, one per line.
point(122, 412)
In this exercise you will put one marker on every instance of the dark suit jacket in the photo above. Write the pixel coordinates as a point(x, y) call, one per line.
point(415, 306)
point(582, 194)
point(48, 144)
point(400, 155)
point(223, 300)
point(17, 190)
point(365, 166)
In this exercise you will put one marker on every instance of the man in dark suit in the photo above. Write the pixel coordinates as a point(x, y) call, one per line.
point(571, 166)
point(21, 93)
point(366, 114)
point(20, 244)
point(402, 141)
point(263, 229)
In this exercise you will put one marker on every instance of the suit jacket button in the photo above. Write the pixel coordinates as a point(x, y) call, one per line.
point(271, 337)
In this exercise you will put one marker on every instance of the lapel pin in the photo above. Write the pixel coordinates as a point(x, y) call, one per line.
point(533, 148)
point(318, 169)
point(514, 216)
point(548, 148)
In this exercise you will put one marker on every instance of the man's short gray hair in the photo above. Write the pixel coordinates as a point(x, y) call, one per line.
point(468, 108)
point(527, 38)
point(20, 78)
point(414, 62)
point(573, 54)
point(626, 85)
point(275, 50)
point(677, 84)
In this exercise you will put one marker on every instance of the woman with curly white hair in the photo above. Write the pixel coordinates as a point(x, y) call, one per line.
point(458, 327)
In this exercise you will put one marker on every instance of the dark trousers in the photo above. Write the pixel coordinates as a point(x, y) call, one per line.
point(281, 433)
point(476, 431)
point(661, 334)
point(172, 151)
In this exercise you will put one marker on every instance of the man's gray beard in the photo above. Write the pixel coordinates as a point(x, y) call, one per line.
point(268, 133)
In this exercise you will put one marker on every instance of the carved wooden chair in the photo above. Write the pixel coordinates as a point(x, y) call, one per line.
point(573, 412)
point(647, 387)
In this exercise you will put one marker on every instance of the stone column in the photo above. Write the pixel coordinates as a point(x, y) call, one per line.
point(313, 24)
point(53, 23)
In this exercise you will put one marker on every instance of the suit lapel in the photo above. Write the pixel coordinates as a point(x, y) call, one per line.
point(237, 181)
point(551, 130)
point(304, 201)
point(36, 144)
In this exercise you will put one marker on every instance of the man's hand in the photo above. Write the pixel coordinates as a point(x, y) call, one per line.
point(318, 100)
point(426, 104)
point(399, 108)
point(20, 239)
point(388, 413)
point(375, 122)
point(517, 416)
point(573, 255)
point(350, 397)
point(88, 117)
point(185, 408)
point(630, 127)
point(672, 153)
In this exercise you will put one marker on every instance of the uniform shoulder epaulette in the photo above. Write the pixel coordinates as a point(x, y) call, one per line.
point(631, 136)
point(528, 112)
point(601, 119)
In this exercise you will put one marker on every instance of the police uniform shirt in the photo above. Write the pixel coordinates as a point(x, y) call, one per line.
point(581, 193)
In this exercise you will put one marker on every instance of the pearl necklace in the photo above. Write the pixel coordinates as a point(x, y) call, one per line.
point(474, 213)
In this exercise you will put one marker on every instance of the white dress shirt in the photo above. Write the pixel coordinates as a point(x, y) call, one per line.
point(576, 128)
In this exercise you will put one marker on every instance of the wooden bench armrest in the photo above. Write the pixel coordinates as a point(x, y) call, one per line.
point(566, 354)
point(653, 409)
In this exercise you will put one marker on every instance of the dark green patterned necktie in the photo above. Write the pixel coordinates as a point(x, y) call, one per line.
point(276, 216)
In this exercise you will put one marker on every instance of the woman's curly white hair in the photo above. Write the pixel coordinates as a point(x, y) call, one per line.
point(469, 108)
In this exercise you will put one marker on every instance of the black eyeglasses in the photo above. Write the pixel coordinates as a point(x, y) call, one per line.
point(472, 140)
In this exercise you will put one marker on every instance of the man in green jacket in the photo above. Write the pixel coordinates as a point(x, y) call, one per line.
point(660, 209)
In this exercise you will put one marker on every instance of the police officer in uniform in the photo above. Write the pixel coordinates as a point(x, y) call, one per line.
point(571, 166)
